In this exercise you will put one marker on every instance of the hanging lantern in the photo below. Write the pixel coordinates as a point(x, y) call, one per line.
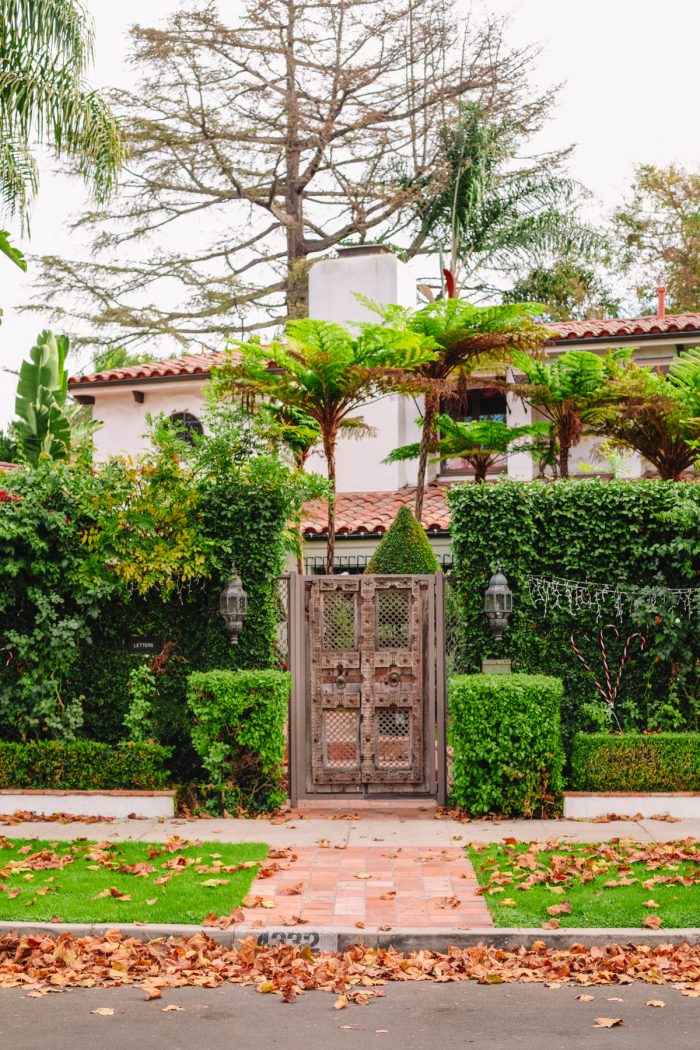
point(233, 606)
point(498, 604)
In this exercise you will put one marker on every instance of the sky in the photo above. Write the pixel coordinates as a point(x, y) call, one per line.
point(628, 70)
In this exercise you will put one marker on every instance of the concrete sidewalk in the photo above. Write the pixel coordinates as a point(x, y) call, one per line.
point(354, 830)
point(384, 878)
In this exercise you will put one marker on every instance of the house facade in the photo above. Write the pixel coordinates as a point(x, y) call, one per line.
point(370, 491)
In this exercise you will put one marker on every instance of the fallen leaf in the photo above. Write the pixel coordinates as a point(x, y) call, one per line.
point(607, 1022)
point(152, 993)
point(215, 882)
point(292, 891)
point(650, 904)
point(341, 1002)
point(655, 1002)
point(363, 875)
point(653, 922)
point(103, 1011)
point(551, 924)
point(507, 903)
point(585, 998)
point(171, 1008)
point(153, 900)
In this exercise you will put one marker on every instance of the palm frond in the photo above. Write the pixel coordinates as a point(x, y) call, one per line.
point(44, 47)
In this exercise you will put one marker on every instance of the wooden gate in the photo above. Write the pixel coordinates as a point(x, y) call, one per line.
point(367, 661)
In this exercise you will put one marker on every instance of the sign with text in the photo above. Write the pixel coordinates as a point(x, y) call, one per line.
point(145, 645)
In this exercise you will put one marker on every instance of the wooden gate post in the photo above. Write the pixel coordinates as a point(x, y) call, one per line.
point(441, 688)
point(297, 699)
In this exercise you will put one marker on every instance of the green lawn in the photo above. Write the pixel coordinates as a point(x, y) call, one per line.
point(606, 884)
point(80, 881)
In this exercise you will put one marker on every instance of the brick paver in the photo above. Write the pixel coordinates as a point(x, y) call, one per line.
point(371, 887)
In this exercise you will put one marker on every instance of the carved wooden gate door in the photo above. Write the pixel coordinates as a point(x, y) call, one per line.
point(369, 709)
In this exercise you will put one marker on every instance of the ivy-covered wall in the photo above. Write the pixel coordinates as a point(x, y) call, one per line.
point(639, 534)
point(90, 556)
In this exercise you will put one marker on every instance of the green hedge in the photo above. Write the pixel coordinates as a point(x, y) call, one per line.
point(239, 735)
point(83, 766)
point(643, 534)
point(505, 735)
point(636, 762)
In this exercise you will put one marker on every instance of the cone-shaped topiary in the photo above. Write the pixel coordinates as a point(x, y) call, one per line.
point(404, 549)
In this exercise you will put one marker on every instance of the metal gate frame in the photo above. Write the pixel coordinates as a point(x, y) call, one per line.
point(299, 588)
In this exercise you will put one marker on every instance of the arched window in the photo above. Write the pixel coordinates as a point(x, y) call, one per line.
point(188, 426)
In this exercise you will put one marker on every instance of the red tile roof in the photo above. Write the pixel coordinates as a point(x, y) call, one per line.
point(360, 512)
point(200, 364)
point(6, 468)
point(190, 365)
point(627, 327)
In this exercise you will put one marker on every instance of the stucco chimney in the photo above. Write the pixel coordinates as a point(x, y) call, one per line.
point(661, 300)
point(369, 269)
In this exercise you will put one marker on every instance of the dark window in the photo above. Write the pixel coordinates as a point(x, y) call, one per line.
point(189, 425)
point(486, 403)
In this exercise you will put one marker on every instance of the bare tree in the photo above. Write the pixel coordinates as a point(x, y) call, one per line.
point(308, 124)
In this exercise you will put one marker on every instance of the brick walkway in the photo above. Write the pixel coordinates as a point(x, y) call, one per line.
point(371, 887)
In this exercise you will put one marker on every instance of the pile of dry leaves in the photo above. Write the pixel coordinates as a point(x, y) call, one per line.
point(41, 963)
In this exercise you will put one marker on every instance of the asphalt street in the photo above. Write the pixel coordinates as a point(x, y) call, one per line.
point(413, 1016)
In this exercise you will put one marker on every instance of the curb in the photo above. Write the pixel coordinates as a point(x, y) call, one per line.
point(403, 939)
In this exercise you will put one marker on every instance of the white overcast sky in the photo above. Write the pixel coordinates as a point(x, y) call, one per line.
point(630, 95)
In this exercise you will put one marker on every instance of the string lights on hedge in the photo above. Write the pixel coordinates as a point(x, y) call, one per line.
point(602, 599)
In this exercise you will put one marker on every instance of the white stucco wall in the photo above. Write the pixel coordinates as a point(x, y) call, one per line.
point(332, 287)
point(125, 426)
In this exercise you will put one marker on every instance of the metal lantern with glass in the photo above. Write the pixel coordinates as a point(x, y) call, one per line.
point(233, 606)
point(498, 604)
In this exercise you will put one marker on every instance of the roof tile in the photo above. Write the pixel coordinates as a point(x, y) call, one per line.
point(626, 326)
point(361, 512)
point(191, 364)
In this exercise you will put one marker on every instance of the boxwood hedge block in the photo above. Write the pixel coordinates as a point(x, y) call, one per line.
point(404, 549)
point(507, 750)
point(636, 762)
point(239, 735)
point(83, 765)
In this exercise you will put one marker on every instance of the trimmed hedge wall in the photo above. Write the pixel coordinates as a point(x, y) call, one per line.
point(505, 734)
point(636, 762)
point(239, 735)
point(83, 766)
point(643, 534)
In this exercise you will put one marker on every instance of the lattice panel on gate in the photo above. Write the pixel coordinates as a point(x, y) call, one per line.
point(394, 618)
point(339, 620)
point(341, 739)
point(392, 739)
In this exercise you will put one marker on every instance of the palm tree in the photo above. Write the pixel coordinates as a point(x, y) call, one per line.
point(565, 390)
point(464, 338)
point(656, 415)
point(45, 47)
point(326, 372)
point(493, 211)
point(481, 443)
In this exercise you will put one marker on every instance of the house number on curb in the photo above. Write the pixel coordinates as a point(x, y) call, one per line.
point(309, 938)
